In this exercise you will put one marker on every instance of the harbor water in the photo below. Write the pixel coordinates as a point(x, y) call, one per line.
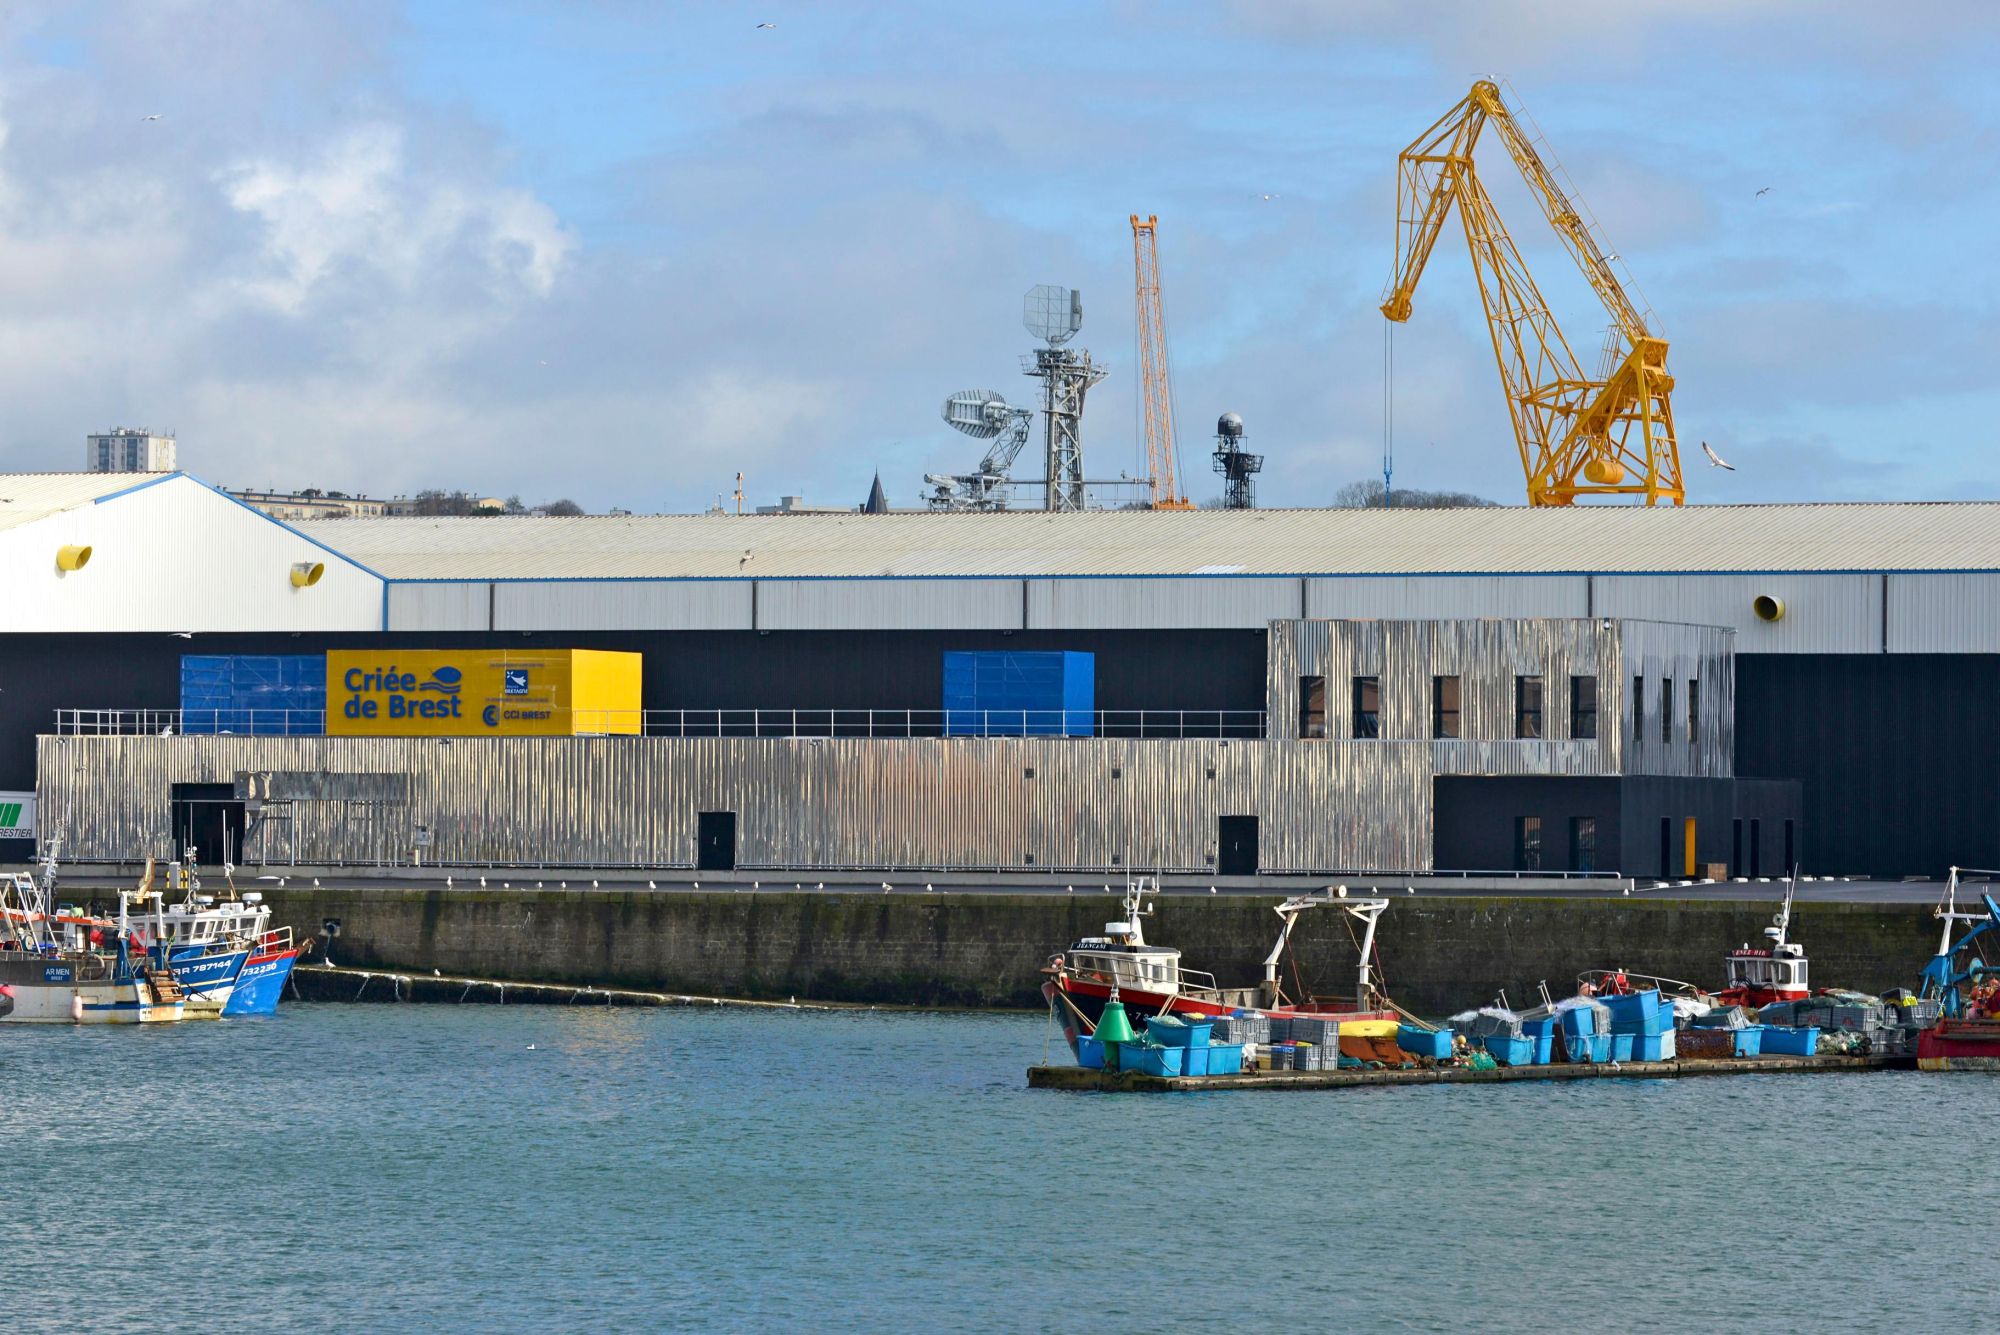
point(523, 1168)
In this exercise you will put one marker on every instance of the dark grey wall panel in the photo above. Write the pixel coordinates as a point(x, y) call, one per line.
point(1898, 756)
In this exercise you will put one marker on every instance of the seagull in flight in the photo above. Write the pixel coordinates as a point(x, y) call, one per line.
point(155, 116)
point(1765, 191)
point(767, 25)
point(1715, 460)
point(1267, 198)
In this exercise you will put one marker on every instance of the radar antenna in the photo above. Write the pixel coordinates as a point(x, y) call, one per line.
point(1054, 314)
point(1239, 470)
point(982, 414)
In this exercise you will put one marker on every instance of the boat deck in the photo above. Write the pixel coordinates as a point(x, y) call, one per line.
point(1078, 1078)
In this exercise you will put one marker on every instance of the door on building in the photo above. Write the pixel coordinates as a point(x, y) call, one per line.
point(715, 841)
point(207, 818)
point(1236, 846)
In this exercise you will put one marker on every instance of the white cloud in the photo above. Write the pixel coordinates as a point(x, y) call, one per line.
point(357, 203)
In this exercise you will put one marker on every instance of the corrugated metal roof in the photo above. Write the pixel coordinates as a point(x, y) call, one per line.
point(26, 497)
point(1513, 540)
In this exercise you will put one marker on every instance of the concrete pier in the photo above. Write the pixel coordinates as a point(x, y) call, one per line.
point(1439, 953)
point(1077, 1078)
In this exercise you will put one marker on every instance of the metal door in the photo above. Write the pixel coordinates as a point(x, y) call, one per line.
point(1236, 846)
point(715, 841)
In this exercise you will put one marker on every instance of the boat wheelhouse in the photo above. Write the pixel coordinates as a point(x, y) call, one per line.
point(1151, 980)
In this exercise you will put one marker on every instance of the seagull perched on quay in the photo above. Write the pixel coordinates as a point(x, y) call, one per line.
point(1715, 460)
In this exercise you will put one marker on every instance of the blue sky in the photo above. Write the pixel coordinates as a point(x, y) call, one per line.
point(621, 251)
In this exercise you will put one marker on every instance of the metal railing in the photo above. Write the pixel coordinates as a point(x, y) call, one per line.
point(1164, 724)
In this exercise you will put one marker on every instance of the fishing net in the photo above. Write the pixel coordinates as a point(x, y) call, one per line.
point(1487, 1021)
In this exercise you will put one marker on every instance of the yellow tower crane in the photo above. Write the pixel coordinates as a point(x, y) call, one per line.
point(1608, 436)
point(1155, 387)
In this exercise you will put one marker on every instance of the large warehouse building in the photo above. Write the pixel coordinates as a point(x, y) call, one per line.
point(1640, 690)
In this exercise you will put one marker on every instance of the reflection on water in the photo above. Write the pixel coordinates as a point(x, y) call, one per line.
point(581, 1168)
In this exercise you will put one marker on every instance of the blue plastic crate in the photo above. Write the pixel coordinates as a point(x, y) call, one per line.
point(1194, 1060)
point(1511, 1051)
point(1150, 1060)
point(1621, 1046)
point(1587, 1047)
point(1790, 1042)
point(1652, 1047)
point(1178, 1031)
point(1225, 1058)
point(1433, 1043)
point(1580, 1021)
point(1640, 1013)
point(1089, 1052)
point(1749, 1040)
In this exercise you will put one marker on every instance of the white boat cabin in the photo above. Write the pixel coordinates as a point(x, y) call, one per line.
point(1779, 969)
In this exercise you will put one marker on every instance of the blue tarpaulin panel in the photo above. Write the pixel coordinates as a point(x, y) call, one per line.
point(271, 695)
point(1004, 694)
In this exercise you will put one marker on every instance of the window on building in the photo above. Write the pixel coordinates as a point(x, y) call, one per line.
point(1527, 706)
point(1527, 843)
point(1583, 843)
point(1312, 706)
point(1444, 707)
point(1666, 709)
point(1367, 706)
point(1694, 710)
point(1583, 708)
point(1638, 708)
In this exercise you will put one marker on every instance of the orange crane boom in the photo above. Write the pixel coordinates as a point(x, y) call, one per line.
point(1611, 434)
point(1155, 381)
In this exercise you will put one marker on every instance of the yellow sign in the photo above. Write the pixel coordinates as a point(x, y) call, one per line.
point(481, 692)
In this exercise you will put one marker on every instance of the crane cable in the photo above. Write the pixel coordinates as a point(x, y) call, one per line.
point(1388, 407)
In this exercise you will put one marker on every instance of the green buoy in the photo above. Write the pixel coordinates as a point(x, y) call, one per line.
point(1112, 1026)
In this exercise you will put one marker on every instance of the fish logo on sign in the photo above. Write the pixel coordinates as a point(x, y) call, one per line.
point(444, 680)
point(514, 681)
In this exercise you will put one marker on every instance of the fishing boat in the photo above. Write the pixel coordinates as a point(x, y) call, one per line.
point(1150, 980)
point(1758, 976)
point(1965, 988)
point(221, 947)
point(262, 981)
point(1753, 976)
point(52, 970)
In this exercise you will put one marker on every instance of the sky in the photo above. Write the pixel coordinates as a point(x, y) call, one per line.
point(620, 252)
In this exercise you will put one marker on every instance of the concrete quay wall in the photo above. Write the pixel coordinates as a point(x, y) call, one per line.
point(1439, 953)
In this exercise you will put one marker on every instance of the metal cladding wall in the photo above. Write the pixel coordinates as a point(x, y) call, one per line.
point(1487, 656)
point(959, 803)
point(1679, 654)
point(703, 670)
point(1899, 756)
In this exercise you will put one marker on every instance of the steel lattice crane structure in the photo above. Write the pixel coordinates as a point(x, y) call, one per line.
point(1579, 436)
point(1155, 377)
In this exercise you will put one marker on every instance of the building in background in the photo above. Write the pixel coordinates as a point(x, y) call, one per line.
point(1659, 692)
point(312, 503)
point(129, 449)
